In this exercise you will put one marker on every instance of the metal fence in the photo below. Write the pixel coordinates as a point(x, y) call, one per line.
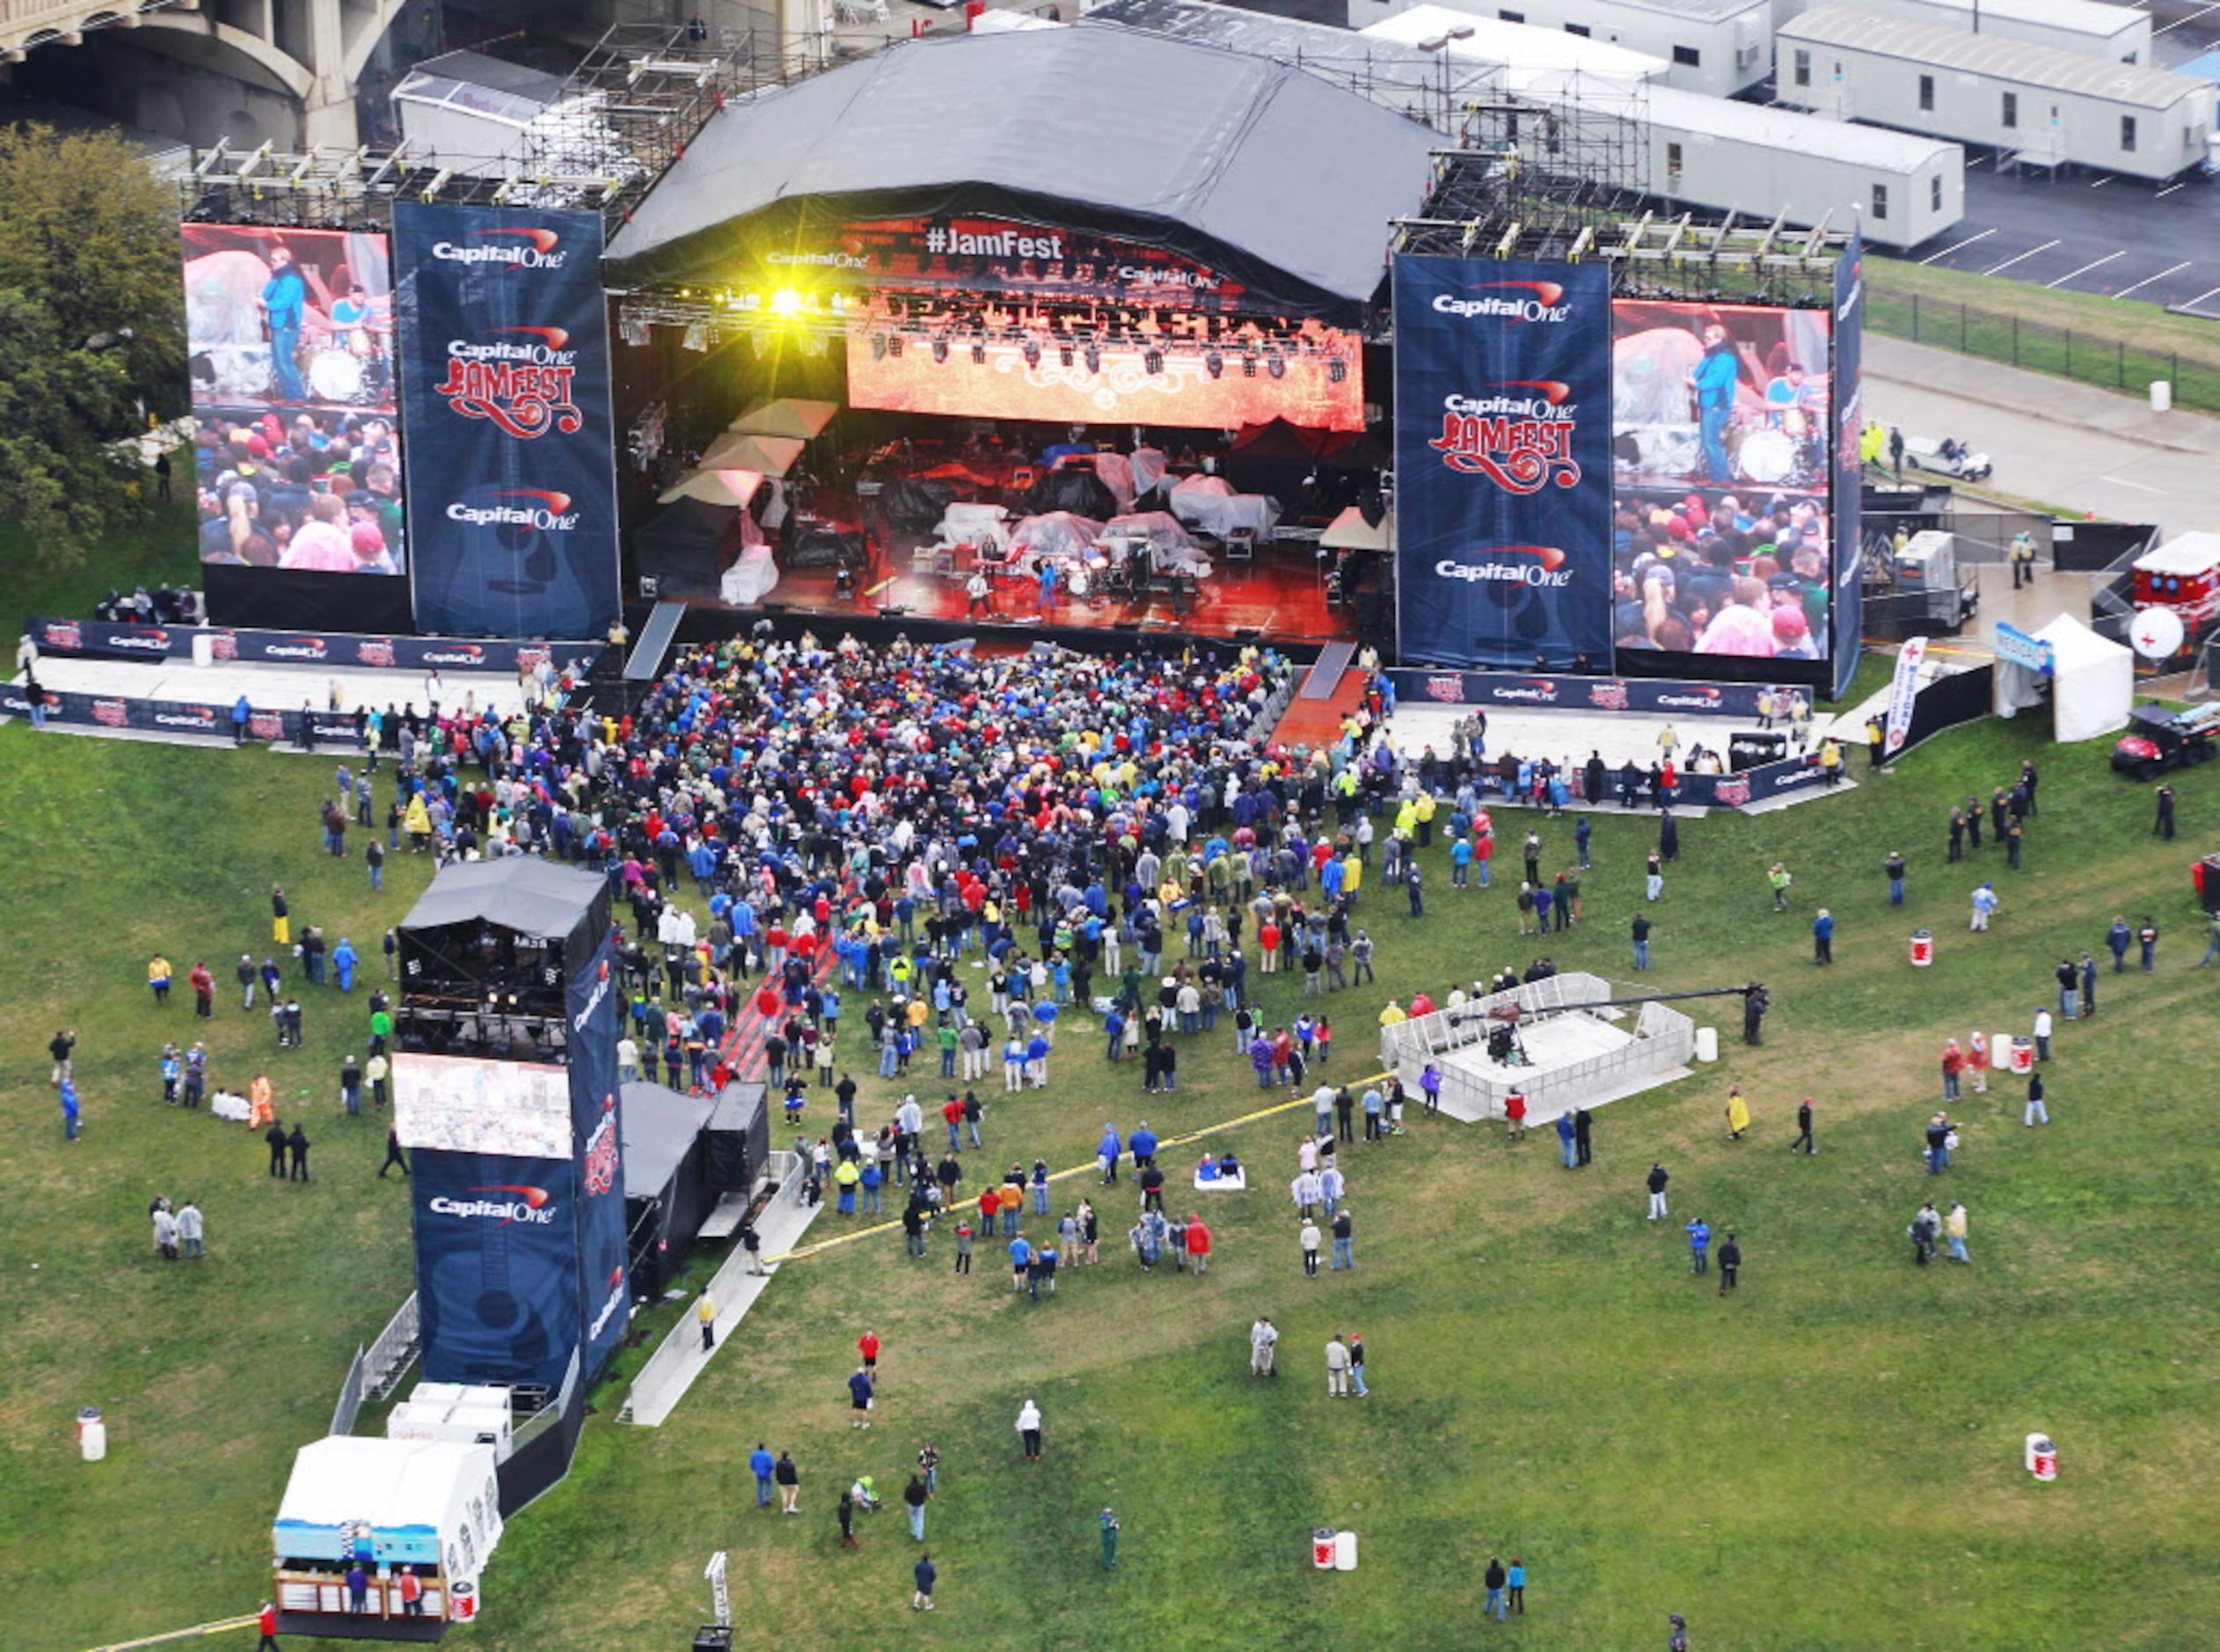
point(2001, 335)
point(1663, 1038)
point(375, 1371)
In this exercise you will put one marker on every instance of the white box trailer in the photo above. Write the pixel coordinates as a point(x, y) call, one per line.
point(1719, 155)
point(1721, 46)
point(2033, 104)
point(2120, 33)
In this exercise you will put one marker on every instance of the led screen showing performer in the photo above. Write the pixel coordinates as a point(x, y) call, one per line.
point(297, 442)
point(1721, 480)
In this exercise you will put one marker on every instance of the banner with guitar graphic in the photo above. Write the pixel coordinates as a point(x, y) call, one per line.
point(505, 372)
point(1502, 436)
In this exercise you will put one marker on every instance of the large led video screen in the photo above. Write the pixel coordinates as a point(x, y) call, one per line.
point(1313, 377)
point(297, 445)
point(460, 1104)
point(1721, 480)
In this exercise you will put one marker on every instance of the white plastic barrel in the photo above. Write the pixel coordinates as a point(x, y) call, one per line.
point(1345, 1552)
point(204, 648)
point(2161, 395)
point(1707, 1043)
point(1322, 1543)
point(93, 1435)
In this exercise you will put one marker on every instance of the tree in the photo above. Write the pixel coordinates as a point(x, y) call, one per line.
point(92, 330)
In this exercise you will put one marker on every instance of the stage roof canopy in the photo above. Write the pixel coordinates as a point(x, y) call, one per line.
point(1253, 168)
point(530, 895)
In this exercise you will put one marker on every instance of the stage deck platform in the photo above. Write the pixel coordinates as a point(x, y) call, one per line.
point(270, 687)
point(1566, 737)
point(1552, 1046)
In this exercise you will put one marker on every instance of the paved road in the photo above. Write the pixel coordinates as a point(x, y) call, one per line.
point(2066, 445)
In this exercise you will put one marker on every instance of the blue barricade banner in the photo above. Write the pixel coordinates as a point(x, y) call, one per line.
point(512, 454)
point(1503, 441)
point(1648, 695)
point(108, 640)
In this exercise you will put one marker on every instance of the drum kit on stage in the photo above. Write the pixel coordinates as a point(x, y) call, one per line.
point(1791, 452)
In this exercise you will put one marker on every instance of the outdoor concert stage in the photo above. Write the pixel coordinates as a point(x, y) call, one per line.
point(1561, 1058)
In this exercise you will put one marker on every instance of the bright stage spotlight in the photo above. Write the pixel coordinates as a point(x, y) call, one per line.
point(786, 302)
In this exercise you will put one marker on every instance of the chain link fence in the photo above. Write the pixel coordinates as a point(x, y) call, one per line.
point(2000, 336)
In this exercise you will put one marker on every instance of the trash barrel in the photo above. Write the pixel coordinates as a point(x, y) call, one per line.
point(2023, 1055)
point(1322, 1547)
point(2042, 1458)
point(462, 1601)
point(93, 1435)
point(1923, 948)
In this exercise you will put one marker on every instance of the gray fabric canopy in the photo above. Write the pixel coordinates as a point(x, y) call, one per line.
point(518, 892)
point(1249, 166)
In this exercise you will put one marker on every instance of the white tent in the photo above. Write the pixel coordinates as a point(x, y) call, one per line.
point(425, 1503)
point(2092, 687)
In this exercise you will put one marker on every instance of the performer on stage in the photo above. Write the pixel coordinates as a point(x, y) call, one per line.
point(284, 301)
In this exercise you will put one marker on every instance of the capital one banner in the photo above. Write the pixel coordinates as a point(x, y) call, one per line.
point(1503, 448)
point(505, 381)
point(590, 999)
point(497, 1282)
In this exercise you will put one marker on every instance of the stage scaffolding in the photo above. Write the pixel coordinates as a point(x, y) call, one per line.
point(1553, 167)
point(640, 94)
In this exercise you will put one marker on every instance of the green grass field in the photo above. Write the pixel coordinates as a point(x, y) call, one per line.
point(1830, 1460)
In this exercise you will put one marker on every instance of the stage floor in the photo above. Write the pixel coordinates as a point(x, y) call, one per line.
point(1566, 737)
point(1279, 596)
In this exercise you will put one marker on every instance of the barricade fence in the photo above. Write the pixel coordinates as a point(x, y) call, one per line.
point(2001, 335)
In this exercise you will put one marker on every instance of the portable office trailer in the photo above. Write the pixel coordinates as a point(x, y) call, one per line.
point(1721, 46)
point(1711, 152)
point(2034, 105)
point(2091, 27)
point(1719, 155)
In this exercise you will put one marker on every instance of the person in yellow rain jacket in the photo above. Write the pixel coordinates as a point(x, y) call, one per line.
point(417, 823)
point(1423, 809)
point(1737, 1114)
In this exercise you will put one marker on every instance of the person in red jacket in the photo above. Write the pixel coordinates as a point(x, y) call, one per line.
point(266, 1621)
point(868, 1345)
point(1198, 1244)
point(203, 982)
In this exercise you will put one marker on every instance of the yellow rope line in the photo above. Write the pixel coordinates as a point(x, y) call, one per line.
point(224, 1627)
point(1089, 1168)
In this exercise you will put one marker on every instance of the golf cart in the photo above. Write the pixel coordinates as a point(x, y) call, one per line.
point(1947, 457)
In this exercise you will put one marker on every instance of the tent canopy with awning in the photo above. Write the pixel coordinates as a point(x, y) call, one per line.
point(748, 450)
point(788, 416)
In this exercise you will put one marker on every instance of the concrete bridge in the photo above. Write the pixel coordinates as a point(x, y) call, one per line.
point(249, 70)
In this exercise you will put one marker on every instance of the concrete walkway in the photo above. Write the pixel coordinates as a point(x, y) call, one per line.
point(670, 1372)
point(2068, 445)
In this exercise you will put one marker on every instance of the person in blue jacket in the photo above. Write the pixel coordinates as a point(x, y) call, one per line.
point(1107, 1152)
point(1713, 381)
point(344, 958)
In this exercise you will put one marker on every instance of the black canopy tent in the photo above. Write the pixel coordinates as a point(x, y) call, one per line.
point(667, 1189)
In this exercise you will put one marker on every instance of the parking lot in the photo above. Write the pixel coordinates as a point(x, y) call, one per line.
point(2121, 237)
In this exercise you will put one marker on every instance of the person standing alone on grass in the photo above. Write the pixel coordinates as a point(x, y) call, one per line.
point(1657, 1179)
point(1894, 867)
point(2035, 1113)
point(1737, 1114)
point(1028, 1427)
point(1955, 1231)
point(1699, 1246)
point(1803, 1128)
point(914, 1497)
point(925, 1573)
point(1108, 1520)
point(1823, 936)
point(1730, 1262)
point(2164, 825)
